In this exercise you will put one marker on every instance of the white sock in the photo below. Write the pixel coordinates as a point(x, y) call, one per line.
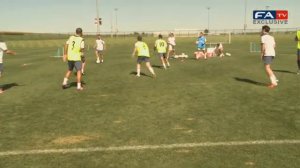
point(65, 82)
point(78, 85)
point(168, 63)
point(164, 65)
point(138, 72)
point(273, 80)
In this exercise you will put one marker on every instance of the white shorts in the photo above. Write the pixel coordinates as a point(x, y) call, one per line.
point(171, 47)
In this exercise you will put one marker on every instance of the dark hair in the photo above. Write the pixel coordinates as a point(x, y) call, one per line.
point(160, 36)
point(139, 38)
point(79, 31)
point(266, 28)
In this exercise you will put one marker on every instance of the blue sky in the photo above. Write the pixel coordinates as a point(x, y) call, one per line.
point(135, 15)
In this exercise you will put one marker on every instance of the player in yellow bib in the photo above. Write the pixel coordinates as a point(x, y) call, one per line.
point(141, 49)
point(298, 50)
point(73, 50)
point(161, 48)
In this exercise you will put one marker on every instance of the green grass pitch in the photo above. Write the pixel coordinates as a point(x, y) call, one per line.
point(218, 100)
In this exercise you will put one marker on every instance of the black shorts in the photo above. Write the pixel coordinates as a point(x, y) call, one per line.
point(83, 59)
point(298, 53)
point(143, 59)
point(75, 64)
point(268, 60)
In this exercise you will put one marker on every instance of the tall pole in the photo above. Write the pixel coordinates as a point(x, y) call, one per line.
point(111, 24)
point(97, 19)
point(208, 8)
point(245, 19)
point(116, 13)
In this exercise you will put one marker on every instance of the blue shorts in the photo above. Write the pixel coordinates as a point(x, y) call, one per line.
point(75, 64)
point(143, 59)
point(268, 60)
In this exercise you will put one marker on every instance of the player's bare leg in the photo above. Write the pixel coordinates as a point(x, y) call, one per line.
point(150, 69)
point(271, 75)
point(79, 76)
point(65, 82)
point(138, 70)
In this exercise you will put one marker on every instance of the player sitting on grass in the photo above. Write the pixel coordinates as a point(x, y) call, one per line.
point(3, 50)
point(171, 46)
point(161, 48)
point(298, 50)
point(201, 45)
point(268, 54)
point(72, 53)
point(142, 51)
point(99, 47)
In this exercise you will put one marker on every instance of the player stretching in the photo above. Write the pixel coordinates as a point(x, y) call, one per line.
point(3, 50)
point(72, 53)
point(201, 44)
point(142, 51)
point(99, 47)
point(298, 51)
point(161, 48)
point(268, 54)
point(171, 46)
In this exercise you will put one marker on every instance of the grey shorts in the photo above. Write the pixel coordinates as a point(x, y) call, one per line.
point(143, 59)
point(268, 60)
point(162, 55)
point(1, 67)
point(100, 52)
point(83, 59)
point(75, 64)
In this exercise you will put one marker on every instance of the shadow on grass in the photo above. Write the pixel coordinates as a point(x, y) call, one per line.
point(158, 66)
point(9, 86)
point(143, 74)
point(250, 81)
point(285, 71)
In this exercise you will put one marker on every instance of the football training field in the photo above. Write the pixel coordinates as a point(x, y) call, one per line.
point(213, 113)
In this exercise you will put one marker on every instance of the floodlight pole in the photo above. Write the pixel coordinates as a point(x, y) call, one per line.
point(97, 20)
point(116, 13)
point(208, 8)
point(245, 19)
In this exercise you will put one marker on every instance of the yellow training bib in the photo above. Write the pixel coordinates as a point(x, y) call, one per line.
point(142, 49)
point(161, 46)
point(74, 47)
point(298, 36)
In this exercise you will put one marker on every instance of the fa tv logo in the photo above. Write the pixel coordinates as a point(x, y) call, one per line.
point(270, 17)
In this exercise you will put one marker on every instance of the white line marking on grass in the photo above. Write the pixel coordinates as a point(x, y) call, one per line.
point(149, 147)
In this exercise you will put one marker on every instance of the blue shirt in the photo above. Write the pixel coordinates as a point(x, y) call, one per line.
point(201, 42)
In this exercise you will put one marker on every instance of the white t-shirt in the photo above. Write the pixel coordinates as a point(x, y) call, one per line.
point(3, 48)
point(269, 43)
point(100, 45)
point(171, 40)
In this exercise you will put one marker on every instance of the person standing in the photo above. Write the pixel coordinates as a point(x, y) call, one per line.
point(99, 47)
point(141, 49)
point(298, 50)
point(3, 50)
point(268, 54)
point(73, 50)
point(161, 48)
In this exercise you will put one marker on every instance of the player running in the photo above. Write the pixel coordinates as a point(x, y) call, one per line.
point(99, 47)
point(3, 50)
point(73, 50)
point(171, 46)
point(268, 54)
point(298, 50)
point(201, 45)
point(142, 51)
point(161, 48)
